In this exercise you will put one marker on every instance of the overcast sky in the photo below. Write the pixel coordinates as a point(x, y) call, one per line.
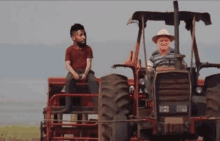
point(33, 22)
point(34, 36)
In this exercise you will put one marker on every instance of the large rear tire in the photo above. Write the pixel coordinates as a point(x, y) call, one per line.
point(114, 101)
point(212, 84)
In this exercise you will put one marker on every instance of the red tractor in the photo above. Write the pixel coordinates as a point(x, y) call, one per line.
point(181, 107)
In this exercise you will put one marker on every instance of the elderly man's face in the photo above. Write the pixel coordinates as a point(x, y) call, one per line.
point(163, 44)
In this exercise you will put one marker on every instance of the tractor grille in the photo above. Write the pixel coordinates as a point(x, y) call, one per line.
point(172, 89)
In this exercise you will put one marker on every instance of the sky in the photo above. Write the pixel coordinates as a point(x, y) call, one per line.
point(34, 22)
point(34, 36)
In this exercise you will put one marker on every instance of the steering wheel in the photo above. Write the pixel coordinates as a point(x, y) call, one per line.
point(169, 59)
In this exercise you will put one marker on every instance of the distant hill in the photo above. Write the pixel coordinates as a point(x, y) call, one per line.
point(43, 61)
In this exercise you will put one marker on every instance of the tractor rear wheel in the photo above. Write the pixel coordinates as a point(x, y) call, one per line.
point(212, 84)
point(114, 101)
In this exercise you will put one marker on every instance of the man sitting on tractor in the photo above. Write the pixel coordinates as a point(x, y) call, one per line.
point(164, 53)
point(164, 56)
point(78, 59)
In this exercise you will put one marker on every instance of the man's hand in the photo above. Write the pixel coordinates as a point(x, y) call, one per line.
point(70, 69)
point(76, 76)
point(83, 77)
point(150, 66)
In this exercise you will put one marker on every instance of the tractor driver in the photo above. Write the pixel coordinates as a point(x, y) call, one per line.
point(78, 60)
point(164, 56)
point(163, 40)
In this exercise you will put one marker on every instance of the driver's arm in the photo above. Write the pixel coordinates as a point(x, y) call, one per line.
point(150, 66)
point(184, 64)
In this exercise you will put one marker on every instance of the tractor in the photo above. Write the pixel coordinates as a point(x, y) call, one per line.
point(180, 106)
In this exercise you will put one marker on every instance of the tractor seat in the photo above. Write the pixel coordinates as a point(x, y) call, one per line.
point(81, 86)
point(57, 84)
point(62, 81)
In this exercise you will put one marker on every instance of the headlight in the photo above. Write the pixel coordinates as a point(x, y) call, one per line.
point(164, 109)
point(199, 90)
point(181, 108)
point(142, 81)
point(131, 89)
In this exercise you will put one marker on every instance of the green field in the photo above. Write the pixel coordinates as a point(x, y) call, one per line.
point(20, 131)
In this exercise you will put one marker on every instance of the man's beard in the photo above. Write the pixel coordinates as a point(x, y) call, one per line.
point(81, 44)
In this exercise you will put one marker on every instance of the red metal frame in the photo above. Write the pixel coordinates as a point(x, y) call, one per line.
point(201, 82)
point(62, 81)
point(136, 95)
point(49, 124)
point(55, 97)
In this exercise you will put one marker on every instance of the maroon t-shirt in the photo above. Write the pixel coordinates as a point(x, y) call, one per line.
point(78, 56)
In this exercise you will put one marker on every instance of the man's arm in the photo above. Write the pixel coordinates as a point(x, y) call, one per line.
point(71, 70)
point(88, 62)
point(88, 68)
point(184, 64)
point(149, 66)
point(67, 62)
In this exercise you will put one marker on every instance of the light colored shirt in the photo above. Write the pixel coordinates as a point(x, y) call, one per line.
point(168, 59)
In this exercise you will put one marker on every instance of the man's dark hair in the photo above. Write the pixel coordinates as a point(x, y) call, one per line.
point(75, 28)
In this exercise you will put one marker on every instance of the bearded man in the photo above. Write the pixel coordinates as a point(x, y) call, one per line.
point(78, 60)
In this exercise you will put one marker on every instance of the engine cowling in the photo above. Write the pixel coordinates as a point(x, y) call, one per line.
point(172, 99)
